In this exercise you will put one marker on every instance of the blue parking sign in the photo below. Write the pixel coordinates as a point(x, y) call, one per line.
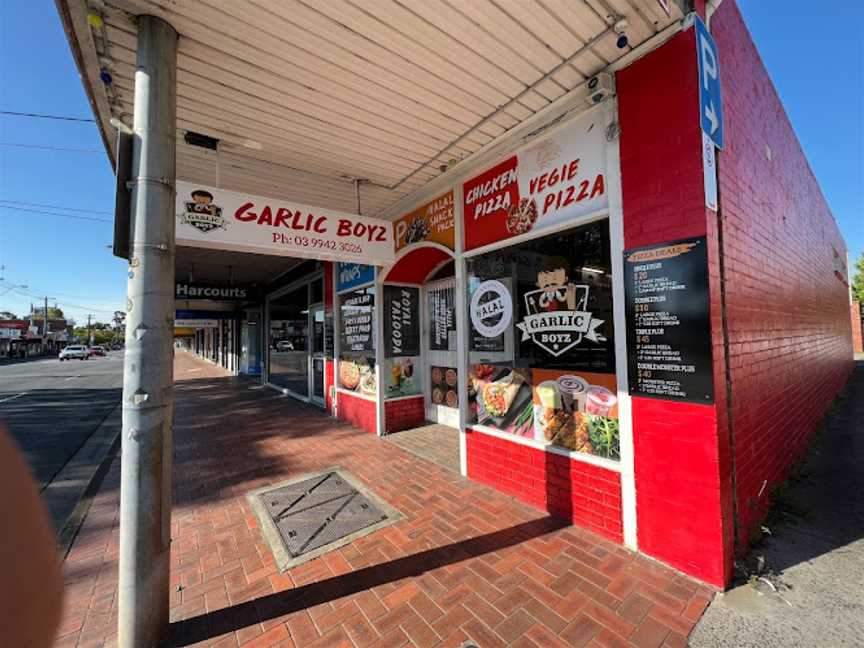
point(710, 98)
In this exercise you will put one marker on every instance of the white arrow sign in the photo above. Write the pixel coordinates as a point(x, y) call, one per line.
point(712, 117)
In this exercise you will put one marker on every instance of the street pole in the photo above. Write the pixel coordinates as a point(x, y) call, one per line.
point(145, 473)
point(45, 330)
point(89, 331)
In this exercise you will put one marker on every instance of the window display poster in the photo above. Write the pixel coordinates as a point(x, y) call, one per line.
point(491, 313)
point(571, 409)
point(445, 386)
point(442, 316)
point(577, 410)
point(401, 377)
point(358, 375)
point(356, 320)
point(401, 321)
point(548, 182)
point(433, 222)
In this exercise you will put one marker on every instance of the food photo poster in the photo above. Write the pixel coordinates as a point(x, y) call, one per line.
point(575, 410)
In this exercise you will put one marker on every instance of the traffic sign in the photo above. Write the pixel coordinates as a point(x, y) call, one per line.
point(710, 98)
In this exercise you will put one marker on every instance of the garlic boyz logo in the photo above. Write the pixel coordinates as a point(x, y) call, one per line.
point(201, 213)
point(557, 320)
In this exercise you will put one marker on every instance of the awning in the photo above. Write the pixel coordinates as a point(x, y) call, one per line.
point(307, 97)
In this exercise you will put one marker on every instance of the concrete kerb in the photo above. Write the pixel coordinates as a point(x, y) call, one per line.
point(71, 492)
point(284, 560)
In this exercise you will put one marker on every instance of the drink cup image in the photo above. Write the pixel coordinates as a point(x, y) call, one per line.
point(395, 374)
point(600, 401)
point(573, 391)
point(408, 368)
point(549, 395)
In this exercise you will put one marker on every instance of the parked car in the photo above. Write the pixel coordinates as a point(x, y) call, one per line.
point(97, 350)
point(74, 352)
point(284, 345)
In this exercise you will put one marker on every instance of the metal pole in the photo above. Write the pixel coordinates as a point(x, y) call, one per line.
point(45, 331)
point(148, 398)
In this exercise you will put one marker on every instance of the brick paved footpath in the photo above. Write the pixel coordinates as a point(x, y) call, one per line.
point(465, 563)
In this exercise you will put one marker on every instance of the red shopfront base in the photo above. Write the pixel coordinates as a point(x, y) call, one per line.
point(357, 411)
point(404, 413)
point(588, 495)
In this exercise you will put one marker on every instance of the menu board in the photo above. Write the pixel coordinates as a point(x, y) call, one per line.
point(356, 320)
point(401, 321)
point(668, 321)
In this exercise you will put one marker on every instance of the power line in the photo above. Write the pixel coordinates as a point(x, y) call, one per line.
point(42, 116)
point(73, 209)
point(50, 148)
point(27, 293)
point(46, 213)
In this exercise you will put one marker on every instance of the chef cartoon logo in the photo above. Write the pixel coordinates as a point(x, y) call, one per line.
point(557, 319)
point(201, 213)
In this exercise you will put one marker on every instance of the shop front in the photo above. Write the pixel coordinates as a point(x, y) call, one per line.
point(558, 283)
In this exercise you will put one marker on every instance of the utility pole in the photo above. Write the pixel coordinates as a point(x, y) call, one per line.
point(89, 331)
point(148, 371)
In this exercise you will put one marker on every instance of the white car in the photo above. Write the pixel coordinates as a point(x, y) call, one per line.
point(284, 345)
point(73, 352)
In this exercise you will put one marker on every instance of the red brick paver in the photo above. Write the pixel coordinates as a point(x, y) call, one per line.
point(465, 563)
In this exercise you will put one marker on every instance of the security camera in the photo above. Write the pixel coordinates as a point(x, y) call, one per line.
point(600, 87)
point(620, 28)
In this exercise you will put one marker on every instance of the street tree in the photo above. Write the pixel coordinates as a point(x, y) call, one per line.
point(6, 315)
point(858, 279)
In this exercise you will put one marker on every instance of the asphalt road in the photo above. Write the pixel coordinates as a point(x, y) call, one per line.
point(52, 408)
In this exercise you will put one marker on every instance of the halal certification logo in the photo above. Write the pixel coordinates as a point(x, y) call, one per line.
point(201, 213)
point(491, 308)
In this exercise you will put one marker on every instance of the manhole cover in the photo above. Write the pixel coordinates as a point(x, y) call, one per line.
point(314, 514)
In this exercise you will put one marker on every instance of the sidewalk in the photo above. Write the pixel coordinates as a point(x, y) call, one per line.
point(465, 563)
point(812, 591)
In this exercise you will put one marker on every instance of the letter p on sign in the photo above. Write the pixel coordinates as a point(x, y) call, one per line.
point(710, 98)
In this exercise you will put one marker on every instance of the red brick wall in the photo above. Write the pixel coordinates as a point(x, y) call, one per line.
point(683, 482)
point(857, 327)
point(404, 414)
point(789, 331)
point(357, 411)
point(588, 495)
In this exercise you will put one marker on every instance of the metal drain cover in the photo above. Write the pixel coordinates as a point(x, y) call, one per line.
point(314, 514)
point(317, 511)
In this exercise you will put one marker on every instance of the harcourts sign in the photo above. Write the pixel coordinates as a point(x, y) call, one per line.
point(185, 290)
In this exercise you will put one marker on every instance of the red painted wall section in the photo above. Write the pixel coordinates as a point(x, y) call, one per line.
point(404, 414)
point(588, 495)
point(681, 458)
point(360, 412)
point(788, 313)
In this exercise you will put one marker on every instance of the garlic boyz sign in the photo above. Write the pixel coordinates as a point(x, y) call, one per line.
point(557, 319)
point(209, 217)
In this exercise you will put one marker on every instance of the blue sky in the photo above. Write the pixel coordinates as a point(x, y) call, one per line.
point(818, 73)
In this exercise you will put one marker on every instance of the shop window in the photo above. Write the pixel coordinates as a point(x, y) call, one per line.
point(357, 341)
point(541, 341)
point(288, 342)
point(317, 288)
